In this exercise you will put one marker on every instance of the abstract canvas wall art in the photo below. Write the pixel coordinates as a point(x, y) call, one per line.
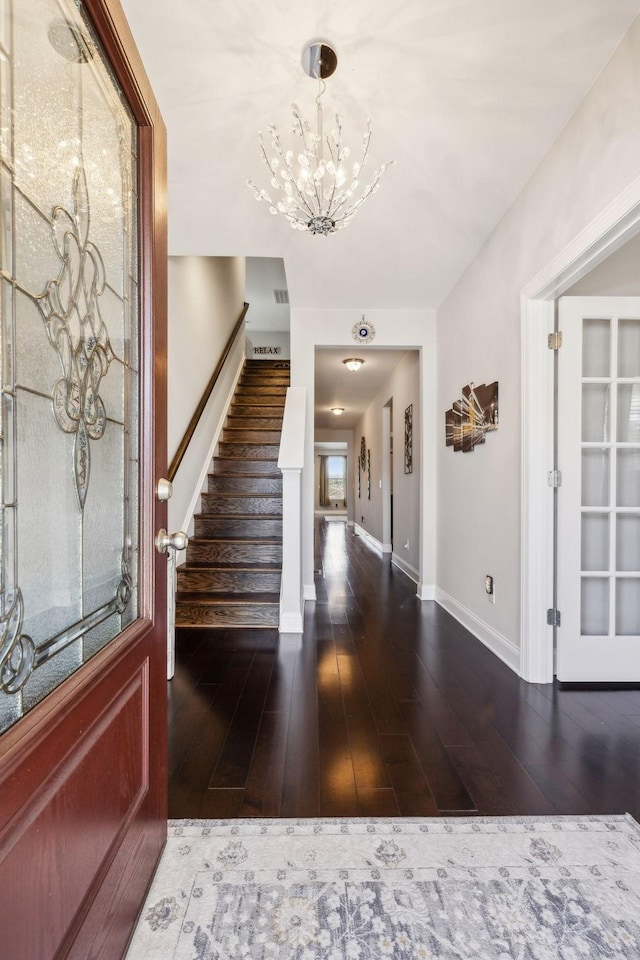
point(472, 416)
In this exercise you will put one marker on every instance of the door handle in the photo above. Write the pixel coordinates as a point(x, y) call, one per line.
point(164, 540)
point(164, 490)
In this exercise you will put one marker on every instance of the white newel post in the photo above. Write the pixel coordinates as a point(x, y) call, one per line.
point(290, 462)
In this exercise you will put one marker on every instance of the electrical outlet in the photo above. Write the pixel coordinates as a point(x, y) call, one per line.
point(490, 588)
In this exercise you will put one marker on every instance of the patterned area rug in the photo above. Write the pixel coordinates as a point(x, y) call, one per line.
point(558, 888)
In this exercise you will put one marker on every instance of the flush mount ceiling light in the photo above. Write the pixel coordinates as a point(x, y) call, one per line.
point(353, 363)
point(315, 183)
point(337, 411)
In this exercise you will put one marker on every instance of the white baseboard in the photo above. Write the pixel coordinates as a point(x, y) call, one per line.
point(368, 538)
point(406, 567)
point(387, 548)
point(426, 591)
point(290, 623)
point(309, 591)
point(350, 523)
point(290, 641)
point(503, 648)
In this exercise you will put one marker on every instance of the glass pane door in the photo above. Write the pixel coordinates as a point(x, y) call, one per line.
point(69, 365)
point(599, 501)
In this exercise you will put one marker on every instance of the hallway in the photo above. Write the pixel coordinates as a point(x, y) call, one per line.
point(388, 708)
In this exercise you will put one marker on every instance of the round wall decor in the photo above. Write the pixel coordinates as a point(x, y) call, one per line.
point(363, 332)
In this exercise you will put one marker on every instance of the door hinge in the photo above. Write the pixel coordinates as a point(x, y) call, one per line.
point(554, 478)
point(554, 340)
point(553, 617)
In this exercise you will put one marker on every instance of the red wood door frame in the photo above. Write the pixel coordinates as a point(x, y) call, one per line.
point(83, 776)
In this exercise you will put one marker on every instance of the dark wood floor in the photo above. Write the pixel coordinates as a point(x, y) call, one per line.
point(388, 708)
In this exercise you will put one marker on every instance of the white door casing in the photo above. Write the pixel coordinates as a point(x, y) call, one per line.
point(616, 224)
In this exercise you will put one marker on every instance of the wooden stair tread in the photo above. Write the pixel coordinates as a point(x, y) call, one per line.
point(247, 494)
point(234, 562)
point(276, 474)
point(237, 516)
point(206, 600)
point(223, 567)
point(248, 540)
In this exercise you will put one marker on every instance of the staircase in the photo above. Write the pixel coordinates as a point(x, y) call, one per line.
point(234, 560)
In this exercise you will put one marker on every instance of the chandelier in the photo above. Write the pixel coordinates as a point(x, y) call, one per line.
point(315, 185)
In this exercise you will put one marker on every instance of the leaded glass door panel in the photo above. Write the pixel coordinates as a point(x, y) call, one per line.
point(599, 500)
point(82, 443)
point(70, 370)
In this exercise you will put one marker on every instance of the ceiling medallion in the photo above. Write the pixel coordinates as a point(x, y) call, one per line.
point(363, 332)
point(314, 184)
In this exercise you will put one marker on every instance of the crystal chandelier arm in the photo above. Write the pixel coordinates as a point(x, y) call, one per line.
point(335, 160)
point(310, 149)
point(277, 146)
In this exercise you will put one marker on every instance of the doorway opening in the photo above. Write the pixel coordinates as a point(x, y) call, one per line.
point(608, 234)
point(387, 477)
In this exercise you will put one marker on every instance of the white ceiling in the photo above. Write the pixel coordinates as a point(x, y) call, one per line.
point(336, 386)
point(465, 95)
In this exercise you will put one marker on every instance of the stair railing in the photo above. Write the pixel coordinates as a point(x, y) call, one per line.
point(290, 462)
point(204, 399)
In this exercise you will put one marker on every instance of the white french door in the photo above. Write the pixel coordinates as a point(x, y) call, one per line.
point(598, 561)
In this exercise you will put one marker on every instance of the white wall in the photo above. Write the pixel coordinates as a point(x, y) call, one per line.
point(394, 328)
point(266, 338)
point(206, 298)
point(617, 276)
point(593, 160)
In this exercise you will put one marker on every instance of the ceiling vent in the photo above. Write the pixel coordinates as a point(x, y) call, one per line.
point(281, 296)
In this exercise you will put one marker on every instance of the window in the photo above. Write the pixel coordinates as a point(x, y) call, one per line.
point(336, 478)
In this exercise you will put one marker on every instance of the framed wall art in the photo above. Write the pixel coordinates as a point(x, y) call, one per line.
point(408, 439)
point(472, 416)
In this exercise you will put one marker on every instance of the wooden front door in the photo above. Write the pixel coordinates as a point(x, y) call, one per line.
point(82, 446)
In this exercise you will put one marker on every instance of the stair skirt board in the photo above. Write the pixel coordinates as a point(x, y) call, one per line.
point(234, 562)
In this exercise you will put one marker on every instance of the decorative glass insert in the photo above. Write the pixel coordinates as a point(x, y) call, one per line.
point(595, 541)
point(595, 412)
point(596, 348)
point(594, 620)
point(69, 369)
